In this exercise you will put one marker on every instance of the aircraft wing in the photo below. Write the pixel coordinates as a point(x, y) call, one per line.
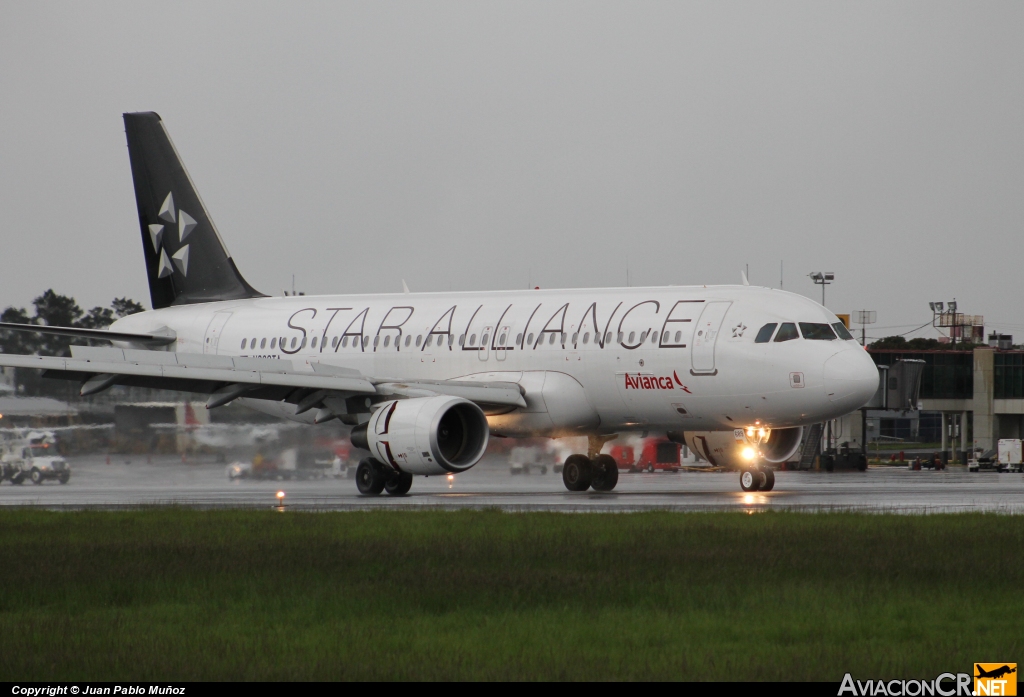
point(160, 338)
point(226, 378)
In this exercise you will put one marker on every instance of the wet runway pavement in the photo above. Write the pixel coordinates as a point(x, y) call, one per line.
point(96, 484)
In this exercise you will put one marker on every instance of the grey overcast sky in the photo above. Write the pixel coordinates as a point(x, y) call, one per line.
point(491, 145)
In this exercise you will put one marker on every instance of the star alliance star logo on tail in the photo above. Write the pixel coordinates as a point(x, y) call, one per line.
point(186, 224)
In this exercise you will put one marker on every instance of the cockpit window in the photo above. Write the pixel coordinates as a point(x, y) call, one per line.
point(765, 335)
point(786, 332)
point(842, 331)
point(817, 332)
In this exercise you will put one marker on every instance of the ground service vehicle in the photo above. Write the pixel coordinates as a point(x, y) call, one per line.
point(625, 457)
point(1009, 450)
point(426, 378)
point(34, 462)
point(658, 454)
point(527, 459)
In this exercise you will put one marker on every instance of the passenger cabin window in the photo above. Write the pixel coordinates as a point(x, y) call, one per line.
point(842, 331)
point(787, 331)
point(817, 332)
point(313, 345)
point(243, 342)
point(765, 335)
point(263, 343)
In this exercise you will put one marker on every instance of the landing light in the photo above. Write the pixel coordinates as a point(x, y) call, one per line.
point(750, 432)
point(451, 480)
point(280, 497)
point(748, 453)
point(761, 434)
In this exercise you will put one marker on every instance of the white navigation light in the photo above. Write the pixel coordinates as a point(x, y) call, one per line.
point(748, 453)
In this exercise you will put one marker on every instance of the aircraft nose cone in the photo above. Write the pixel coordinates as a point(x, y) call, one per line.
point(851, 378)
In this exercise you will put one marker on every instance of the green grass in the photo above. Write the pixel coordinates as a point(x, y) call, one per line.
point(170, 594)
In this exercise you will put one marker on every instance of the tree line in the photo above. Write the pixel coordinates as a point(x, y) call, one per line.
point(54, 309)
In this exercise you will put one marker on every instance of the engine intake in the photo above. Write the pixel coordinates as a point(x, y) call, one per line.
point(426, 435)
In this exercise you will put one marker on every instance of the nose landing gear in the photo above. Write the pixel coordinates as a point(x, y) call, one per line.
point(757, 479)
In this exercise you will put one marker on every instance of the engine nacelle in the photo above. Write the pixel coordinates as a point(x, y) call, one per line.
point(733, 449)
point(426, 435)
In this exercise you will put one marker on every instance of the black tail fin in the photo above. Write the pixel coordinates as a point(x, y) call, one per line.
point(186, 260)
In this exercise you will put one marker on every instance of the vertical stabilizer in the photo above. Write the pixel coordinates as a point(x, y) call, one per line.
point(186, 260)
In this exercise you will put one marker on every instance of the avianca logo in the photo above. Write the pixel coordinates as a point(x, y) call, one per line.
point(653, 382)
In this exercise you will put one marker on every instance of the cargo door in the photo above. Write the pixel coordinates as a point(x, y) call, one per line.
point(705, 336)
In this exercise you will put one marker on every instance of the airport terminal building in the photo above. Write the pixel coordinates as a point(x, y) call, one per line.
point(978, 396)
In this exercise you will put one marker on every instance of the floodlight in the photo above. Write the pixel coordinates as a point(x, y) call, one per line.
point(830, 276)
point(952, 305)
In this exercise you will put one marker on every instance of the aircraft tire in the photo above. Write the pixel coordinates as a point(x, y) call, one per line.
point(577, 474)
point(399, 484)
point(749, 481)
point(606, 473)
point(370, 478)
point(769, 480)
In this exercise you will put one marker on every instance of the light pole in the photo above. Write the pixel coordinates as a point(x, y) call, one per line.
point(864, 318)
point(822, 278)
point(946, 315)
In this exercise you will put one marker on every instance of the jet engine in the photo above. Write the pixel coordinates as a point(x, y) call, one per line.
point(425, 435)
point(740, 448)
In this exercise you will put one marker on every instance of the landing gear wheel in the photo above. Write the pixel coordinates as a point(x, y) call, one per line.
point(650, 468)
point(606, 473)
point(370, 477)
point(577, 473)
point(750, 480)
point(769, 480)
point(398, 484)
point(36, 476)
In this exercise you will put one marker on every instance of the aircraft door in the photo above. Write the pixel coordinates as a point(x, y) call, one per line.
point(485, 343)
point(705, 336)
point(214, 331)
point(501, 343)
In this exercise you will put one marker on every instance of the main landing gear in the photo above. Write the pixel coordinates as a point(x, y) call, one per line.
point(591, 471)
point(373, 477)
point(757, 479)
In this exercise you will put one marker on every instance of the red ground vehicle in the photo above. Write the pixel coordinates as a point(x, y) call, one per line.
point(659, 454)
point(624, 457)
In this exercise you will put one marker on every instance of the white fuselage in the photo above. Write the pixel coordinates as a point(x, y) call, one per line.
point(598, 360)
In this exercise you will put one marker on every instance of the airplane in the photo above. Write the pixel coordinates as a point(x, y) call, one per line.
point(995, 673)
point(425, 379)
